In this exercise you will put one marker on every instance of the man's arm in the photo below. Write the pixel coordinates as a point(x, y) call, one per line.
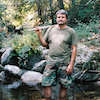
point(41, 38)
point(73, 56)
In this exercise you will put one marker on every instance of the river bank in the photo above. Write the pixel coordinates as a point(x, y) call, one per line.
point(19, 91)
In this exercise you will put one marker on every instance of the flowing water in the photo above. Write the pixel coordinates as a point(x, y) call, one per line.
point(17, 90)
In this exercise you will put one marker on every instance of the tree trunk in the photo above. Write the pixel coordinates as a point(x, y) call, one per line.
point(39, 7)
point(60, 4)
point(50, 4)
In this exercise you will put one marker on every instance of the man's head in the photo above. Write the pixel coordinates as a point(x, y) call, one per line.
point(61, 17)
point(62, 12)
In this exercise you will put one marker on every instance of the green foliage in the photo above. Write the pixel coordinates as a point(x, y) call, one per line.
point(2, 22)
point(83, 10)
point(84, 30)
point(18, 10)
point(2, 11)
point(2, 36)
point(24, 45)
point(25, 42)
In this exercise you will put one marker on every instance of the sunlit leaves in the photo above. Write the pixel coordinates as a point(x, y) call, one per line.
point(24, 45)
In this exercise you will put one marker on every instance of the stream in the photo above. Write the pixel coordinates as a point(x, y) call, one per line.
point(16, 90)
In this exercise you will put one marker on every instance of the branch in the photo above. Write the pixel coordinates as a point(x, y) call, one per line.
point(42, 27)
point(88, 2)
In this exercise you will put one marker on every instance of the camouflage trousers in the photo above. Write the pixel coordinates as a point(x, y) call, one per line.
point(54, 72)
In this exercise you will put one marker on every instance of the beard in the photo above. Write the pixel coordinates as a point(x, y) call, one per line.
point(61, 23)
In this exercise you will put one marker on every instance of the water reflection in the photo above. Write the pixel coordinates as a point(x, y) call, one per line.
point(16, 90)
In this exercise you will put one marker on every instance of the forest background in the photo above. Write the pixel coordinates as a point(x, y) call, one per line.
point(18, 16)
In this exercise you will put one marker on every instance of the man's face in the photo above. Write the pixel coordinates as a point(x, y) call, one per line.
point(61, 19)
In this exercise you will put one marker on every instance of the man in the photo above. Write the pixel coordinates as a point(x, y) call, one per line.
point(62, 43)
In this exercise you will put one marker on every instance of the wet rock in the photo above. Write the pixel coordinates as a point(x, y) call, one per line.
point(39, 67)
point(31, 78)
point(14, 85)
point(12, 71)
point(9, 57)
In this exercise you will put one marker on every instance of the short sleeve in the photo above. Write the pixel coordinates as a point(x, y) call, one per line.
point(74, 40)
point(46, 36)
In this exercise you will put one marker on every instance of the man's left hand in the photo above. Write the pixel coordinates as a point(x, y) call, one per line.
point(69, 69)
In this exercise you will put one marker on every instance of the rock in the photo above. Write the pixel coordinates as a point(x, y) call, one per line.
point(9, 57)
point(14, 85)
point(45, 53)
point(31, 78)
point(98, 82)
point(2, 51)
point(39, 67)
point(1, 68)
point(84, 54)
point(12, 71)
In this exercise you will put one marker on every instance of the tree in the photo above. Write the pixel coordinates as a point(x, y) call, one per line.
point(50, 4)
point(83, 10)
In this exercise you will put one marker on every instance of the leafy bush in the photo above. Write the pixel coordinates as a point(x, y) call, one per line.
point(2, 35)
point(84, 30)
point(24, 45)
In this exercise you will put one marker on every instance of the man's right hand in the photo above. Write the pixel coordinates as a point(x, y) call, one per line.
point(38, 31)
point(41, 38)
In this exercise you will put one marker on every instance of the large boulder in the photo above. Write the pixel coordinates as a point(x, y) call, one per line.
point(84, 55)
point(12, 71)
point(31, 78)
point(9, 57)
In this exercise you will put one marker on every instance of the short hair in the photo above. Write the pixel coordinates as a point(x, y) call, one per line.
point(62, 12)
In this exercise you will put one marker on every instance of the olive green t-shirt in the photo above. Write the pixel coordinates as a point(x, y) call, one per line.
point(60, 42)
